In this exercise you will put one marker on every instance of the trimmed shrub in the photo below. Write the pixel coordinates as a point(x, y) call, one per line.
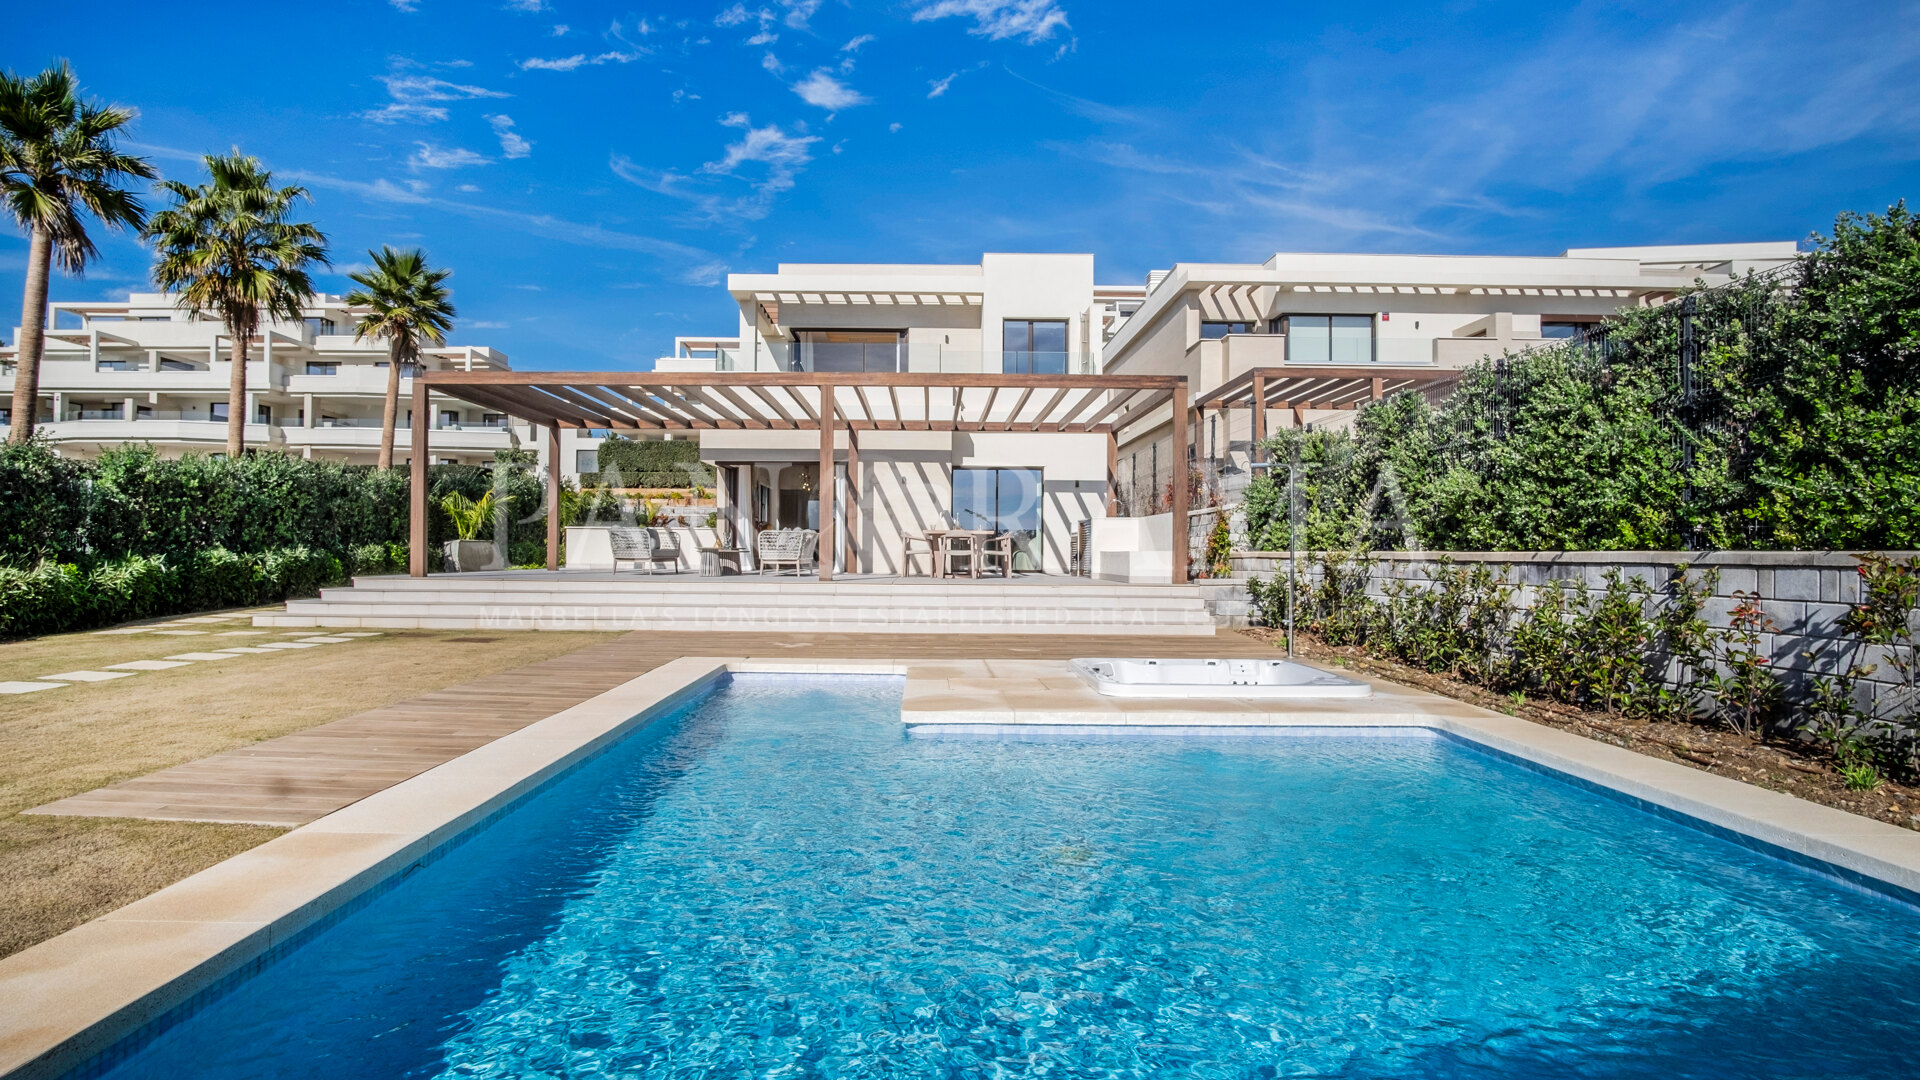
point(53, 597)
point(635, 463)
point(47, 598)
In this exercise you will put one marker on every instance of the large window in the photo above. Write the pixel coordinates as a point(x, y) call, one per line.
point(1561, 329)
point(1034, 346)
point(1210, 330)
point(1006, 501)
point(1329, 339)
point(849, 350)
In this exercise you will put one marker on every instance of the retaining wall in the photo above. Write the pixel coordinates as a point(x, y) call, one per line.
point(1803, 593)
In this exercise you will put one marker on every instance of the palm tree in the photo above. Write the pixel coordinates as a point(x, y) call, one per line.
point(408, 303)
point(227, 247)
point(57, 162)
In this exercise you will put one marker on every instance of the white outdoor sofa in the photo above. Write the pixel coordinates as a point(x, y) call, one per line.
point(776, 548)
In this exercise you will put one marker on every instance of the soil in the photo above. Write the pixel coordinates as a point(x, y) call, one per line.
point(1776, 763)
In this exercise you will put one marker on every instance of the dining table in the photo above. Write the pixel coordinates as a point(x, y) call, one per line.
point(943, 548)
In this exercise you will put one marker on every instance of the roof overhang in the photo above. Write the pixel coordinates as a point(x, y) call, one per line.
point(806, 401)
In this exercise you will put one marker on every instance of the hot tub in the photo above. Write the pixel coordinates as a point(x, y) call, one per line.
point(1281, 680)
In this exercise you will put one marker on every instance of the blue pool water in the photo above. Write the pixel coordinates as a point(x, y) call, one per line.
point(778, 883)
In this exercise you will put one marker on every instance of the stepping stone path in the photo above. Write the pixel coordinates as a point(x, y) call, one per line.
point(27, 687)
point(309, 640)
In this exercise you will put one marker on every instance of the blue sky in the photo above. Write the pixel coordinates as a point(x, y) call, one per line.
point(592, 172)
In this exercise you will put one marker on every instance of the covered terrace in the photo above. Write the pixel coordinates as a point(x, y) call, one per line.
point(840, 407)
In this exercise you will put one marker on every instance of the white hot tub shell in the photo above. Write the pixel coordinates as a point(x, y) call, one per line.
point(1270, 680)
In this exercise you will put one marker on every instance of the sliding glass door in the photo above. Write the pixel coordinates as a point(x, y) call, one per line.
point(1033, 347)
point(1005, 501)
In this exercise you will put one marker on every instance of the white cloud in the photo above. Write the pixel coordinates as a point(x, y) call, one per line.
point(563, 63)
point(939, 86)
point(481, 325)
point(733, 16)
point(772, 63)
point(405, 112)
point(430, 156)
point(799, 11)
point(468, 188)
point(408, 6)
point(577, 60)
point(822, 90)
point(893, 128)
point(526, 5)
point(512, 145)
point(764, 37)
point(781, 153)
point(412, 95)
point(415, 88)
point(854, 45)
point(1034, 20)
point(560, 29)
point(767, 158)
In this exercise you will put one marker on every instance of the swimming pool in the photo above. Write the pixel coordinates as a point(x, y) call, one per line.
point(775, 881)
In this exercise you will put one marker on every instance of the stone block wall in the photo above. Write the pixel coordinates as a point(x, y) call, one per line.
point(1802, 593)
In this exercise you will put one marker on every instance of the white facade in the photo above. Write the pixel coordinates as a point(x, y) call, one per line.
point(144, 371)
point(1213, 322)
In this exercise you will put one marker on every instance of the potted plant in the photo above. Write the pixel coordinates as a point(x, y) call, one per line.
point(469, 517)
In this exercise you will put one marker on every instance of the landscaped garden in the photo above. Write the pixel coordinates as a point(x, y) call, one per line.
point(1776, 414)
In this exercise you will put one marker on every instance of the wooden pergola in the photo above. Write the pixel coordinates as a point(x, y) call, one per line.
point(1302, 387)
point(827, 402)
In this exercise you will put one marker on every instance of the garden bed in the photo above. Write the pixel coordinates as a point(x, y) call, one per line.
point(1777, 764)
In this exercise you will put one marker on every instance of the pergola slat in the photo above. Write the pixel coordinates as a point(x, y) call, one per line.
point(782, 401)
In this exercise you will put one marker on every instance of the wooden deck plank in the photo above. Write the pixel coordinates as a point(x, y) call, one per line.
point(308, 774)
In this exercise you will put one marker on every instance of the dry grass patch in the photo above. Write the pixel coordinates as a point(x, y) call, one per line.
point(57, 872)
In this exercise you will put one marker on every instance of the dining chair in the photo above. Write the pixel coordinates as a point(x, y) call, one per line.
point(999, 546)
point(929, 547)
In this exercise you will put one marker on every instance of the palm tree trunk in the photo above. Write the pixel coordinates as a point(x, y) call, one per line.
point(390, 415)
point(237, 392)
point(33, 337)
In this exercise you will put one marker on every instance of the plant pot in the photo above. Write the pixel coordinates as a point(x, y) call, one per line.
point(466, 556)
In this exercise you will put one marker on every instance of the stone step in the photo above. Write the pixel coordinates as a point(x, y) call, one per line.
point(481, 597)
point(791, 621)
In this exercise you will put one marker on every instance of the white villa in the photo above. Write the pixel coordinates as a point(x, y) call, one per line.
point(142, 370)
point(1015, 396)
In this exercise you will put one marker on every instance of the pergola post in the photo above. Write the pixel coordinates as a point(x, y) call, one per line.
point(1259, 452)
point(824, 552)
point(852, 542)
point(1182, 480)
point(1113, 474)
point(417, 482)
point(553, 496)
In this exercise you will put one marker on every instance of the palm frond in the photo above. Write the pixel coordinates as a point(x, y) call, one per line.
point(58, 162)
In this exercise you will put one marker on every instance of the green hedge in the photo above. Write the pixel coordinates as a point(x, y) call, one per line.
point(632, 463)
point(1804, 426)
point(131, 501)
point(52, 597)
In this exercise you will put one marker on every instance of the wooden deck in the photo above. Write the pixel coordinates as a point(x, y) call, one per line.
point(297, 778)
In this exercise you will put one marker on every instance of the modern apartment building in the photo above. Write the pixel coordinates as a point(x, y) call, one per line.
point(144, 371)
point(1324, 332)
point(935, 425)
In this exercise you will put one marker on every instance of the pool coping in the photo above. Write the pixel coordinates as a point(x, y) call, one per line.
point(75, 996)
